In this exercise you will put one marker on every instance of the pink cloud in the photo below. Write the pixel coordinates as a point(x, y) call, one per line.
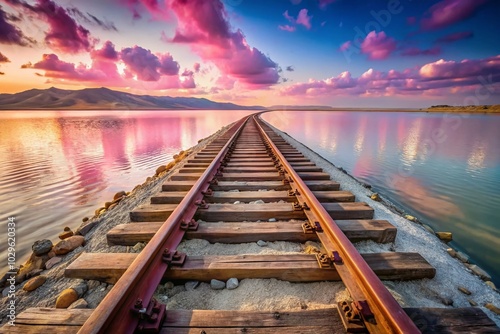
point(414, 51)
point(196, 67)
point(287, 27)
point(378, 46)
point(456, 37)
point(345, 46)
point(106, 52)
point(204, 25)
point(436, 78)
point(304, 19)
point(448, 12)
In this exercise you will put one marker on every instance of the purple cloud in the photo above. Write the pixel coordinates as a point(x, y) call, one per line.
point(10, 34)
point(455, 37)
point(146, 66)
point(448, 12)
point(378, 46)
point(106, 52)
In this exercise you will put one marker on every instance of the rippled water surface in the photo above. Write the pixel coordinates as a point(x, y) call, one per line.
point(58, 167)
point(442, 168)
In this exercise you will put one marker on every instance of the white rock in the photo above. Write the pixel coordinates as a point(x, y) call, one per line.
point(259, 202)
point(217, 285)
point(272, 220)
point(232, 283)
point(237, 202)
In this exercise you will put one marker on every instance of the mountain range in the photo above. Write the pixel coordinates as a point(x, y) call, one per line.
point(105, 99)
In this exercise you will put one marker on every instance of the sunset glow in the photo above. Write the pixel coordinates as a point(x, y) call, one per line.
point(396, 53)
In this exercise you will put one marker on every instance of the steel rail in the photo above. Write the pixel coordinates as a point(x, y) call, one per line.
point(118, 311)
point(389, 315)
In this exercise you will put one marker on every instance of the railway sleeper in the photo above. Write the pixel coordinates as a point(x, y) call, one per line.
point(109, 267)
point(380, 231)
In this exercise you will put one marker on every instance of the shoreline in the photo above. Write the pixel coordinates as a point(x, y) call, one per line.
point(253, 293)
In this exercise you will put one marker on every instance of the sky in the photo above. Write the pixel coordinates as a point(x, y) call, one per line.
point(341, 53)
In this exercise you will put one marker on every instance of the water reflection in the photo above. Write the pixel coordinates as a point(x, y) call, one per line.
point(58, 167)
point(445, 169)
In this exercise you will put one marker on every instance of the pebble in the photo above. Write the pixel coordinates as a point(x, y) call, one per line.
point(480, 272)
point(66, 298)
point(52, 262)
point(233, 191)
point(272, 220)
point(67, 245)
point(41, 247)
point(79, 304)
point(452, 252)
point(462, 257)
point(472, 302)
point(86, 227)
point(232, 283)
point(65, 234)
point(80, 288)
point(119, 194)
point(160, 170)
point(410, 218)
point(34, 283)
point(259, 202)
point(139, 246)
point(261, 243)
point(5, 292)
point(237, 202)
point(168, 285)
point(491, 285)
point(85, 219)
point(492, 308)
point(445, 236)
point(464, 290)
point(191, 285)
point(447, 301)
point(217, 285)
point(375, 197)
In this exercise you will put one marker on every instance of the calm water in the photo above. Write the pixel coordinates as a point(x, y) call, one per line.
point(58, 167)
point(442, 168)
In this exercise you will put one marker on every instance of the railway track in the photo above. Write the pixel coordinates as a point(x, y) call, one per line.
point(218, 196)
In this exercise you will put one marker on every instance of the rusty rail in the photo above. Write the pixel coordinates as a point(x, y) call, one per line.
point(384, 314)
point(125, 307)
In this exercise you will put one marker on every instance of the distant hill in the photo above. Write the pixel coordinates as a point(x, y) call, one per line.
point(495, 108)
point(104, 98)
